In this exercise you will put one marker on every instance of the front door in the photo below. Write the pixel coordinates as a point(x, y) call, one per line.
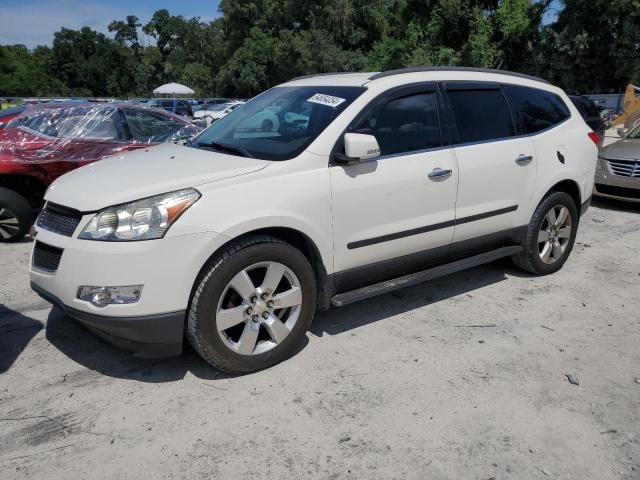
point(389, 211)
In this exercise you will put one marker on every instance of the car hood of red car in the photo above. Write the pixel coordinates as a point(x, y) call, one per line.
point(144, 173)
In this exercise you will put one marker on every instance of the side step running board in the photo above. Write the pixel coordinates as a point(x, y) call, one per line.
point(415, 278)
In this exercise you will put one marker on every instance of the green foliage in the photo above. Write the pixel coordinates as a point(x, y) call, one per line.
point(595, 44)
point(255, 44)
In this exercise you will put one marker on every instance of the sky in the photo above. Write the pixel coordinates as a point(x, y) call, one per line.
point(33, 22)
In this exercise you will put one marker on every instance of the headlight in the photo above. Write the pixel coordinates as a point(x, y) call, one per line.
point(145, 219)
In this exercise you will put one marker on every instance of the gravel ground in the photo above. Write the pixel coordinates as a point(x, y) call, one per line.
point(464, 377)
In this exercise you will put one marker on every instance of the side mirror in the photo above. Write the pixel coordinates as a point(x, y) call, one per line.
point(358, 147)
point(623, 131)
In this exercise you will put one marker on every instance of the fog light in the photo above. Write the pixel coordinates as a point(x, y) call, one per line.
point(103, 296)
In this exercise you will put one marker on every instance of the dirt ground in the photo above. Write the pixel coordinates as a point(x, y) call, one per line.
point(460, 378)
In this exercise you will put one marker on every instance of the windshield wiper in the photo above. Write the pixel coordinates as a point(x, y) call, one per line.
point(225, 147)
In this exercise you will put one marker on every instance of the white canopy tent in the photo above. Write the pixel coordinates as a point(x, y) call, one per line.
point(173, 89)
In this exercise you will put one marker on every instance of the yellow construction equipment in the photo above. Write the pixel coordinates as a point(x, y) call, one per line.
point(631, 114)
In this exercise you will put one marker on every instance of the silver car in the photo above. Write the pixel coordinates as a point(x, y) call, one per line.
point(618, 170)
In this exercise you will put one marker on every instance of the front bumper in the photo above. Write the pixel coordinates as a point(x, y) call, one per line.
point(617, 193)
point(610, 185)
point(166, 269)
point(150, 336)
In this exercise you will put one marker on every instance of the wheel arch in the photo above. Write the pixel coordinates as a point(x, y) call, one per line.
point(568, 186)
point(297, 239)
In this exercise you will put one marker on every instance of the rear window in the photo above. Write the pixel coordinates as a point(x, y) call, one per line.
point(481, 115)
point(536, 110)
point(586, 107)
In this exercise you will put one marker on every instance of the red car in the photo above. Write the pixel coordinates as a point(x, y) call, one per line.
point(42, 142)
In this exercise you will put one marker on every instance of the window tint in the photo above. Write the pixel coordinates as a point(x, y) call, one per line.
point(481, 115)
point(404, 125)
point(536, 109)
point(586, 107)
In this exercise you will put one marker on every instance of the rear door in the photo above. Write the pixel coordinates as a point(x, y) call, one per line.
point(497, 168)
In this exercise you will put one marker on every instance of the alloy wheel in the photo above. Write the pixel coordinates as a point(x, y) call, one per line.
point(258, 308)
point(554, 234)
point(9, 224)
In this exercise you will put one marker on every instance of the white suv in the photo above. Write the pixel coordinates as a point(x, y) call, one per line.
point(371, 183)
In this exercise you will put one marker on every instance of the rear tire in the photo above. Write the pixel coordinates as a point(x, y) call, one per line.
point(239, 320)
point(16, 216)
point(548, 243)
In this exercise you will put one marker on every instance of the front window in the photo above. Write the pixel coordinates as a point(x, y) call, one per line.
point(280, 123)
point(404, 125)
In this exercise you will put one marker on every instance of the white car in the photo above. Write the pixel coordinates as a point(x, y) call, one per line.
point(216, 112)
point(372, 182)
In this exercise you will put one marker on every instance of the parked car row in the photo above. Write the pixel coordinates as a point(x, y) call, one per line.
point(40, 143)
point(214, 112)
point(190, 107)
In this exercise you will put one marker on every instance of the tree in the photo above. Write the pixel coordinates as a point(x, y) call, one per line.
point(594, 45)
point(255, 44)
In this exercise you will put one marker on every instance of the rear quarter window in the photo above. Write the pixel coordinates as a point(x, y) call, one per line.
point(535, 109)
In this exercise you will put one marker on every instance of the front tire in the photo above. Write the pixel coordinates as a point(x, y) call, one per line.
point(252, 305)
point(16, 216)
point(550, 235)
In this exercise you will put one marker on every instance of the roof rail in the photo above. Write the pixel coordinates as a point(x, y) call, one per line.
point(319, 75)
point(400, 71)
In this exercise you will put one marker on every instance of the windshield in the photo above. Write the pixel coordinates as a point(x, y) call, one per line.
point(280, 123)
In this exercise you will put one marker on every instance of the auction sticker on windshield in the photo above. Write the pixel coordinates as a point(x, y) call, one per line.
point(326, 100)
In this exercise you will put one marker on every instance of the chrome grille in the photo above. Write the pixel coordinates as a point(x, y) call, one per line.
point(59, 219)
point(625, 168)
point(46, 257)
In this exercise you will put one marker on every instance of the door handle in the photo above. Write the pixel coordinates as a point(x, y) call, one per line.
point(439, 174)
point(524, 159)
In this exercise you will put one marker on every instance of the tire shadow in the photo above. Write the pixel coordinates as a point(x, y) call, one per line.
point(339, 320)
point(16, 332)
point(92, 352)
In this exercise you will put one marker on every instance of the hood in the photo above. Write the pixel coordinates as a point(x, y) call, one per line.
point(627, 149)
point(144, 173)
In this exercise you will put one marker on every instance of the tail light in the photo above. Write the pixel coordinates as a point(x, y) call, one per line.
point(595, 138)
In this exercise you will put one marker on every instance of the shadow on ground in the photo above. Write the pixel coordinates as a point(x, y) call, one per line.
point(95, 354)
point(16, 331)
point(340, 320)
